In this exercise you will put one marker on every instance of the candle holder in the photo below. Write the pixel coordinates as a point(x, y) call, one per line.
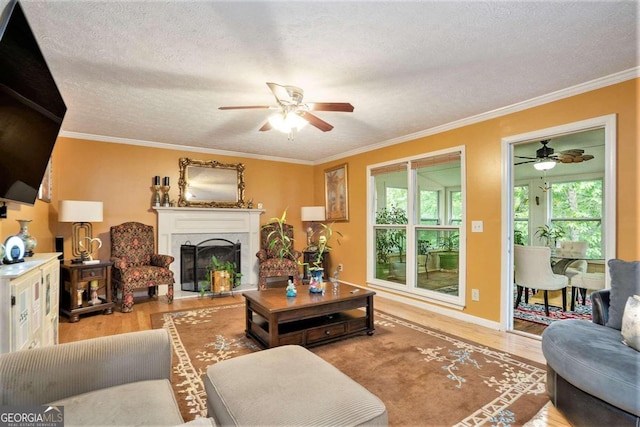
point(166, 202)
point(156, 196)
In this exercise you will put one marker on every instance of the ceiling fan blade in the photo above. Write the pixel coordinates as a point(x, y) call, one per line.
point(330, 106)
point(522, 163)
point(280, 92)
point(525, 157)
point(573, 152)
point(265, 127)
point(246, 107)
point(568, 159)
point(316, 121)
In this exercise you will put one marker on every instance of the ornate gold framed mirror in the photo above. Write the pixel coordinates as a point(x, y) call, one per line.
point(211, 184)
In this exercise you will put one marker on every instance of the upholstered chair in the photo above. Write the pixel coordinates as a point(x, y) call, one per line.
point(135, 263)
point(533, 271)
point(270, 263)
point(584, 282)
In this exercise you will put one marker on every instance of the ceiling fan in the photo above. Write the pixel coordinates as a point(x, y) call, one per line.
point(292, 114)
point(546, 159)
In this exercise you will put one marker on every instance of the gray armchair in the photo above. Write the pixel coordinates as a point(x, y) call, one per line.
point(110, 381)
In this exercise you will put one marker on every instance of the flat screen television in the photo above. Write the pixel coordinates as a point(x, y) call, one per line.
point(31, 109)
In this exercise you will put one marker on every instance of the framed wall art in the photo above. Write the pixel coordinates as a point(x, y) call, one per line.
point(336, 197)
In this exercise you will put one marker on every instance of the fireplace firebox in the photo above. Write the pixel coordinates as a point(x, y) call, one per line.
point(195, 260)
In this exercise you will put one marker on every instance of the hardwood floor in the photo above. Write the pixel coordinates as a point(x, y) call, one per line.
point(528, 327)
point(96, 324)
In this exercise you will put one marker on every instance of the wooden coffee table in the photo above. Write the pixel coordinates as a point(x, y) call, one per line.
point(273, 319)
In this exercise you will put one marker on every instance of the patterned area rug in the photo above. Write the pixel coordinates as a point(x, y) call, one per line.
point(424, 377)
point(534, 311)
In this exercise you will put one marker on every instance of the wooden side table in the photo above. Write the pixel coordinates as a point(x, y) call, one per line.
point(85, 288)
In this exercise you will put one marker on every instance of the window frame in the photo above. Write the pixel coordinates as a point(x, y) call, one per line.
point(414, 225)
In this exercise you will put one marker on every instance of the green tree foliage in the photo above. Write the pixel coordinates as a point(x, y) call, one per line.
point(576, 207)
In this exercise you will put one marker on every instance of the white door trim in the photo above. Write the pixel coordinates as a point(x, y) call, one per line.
point(607, 122)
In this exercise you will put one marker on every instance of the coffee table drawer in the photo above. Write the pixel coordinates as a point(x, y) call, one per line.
point(325, 332)
point(294, 338)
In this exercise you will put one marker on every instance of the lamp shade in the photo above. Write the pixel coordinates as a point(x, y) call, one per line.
point(312, 213)
point(79, 211)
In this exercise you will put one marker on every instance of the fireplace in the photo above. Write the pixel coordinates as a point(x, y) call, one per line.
point(177, 226)
point(195, 260)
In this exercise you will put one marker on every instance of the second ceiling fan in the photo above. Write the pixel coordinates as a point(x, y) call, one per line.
point(292, 113)
point(545, 157)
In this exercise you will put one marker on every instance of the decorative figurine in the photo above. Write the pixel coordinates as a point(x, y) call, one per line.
point(291, 288)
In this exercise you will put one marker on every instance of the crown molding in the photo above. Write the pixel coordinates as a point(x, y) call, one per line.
point(632, 73)
point(165, 146)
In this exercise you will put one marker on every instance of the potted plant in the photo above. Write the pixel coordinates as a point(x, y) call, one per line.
point(278, 238)
point(423, 253)
point(449, 256)
point(224, 275)
point(549, 234)
point(389, 241)
point(383, 250)
point(325, 234)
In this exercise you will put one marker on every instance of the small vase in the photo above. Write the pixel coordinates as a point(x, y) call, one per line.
point(315, 283)
point(30, 242)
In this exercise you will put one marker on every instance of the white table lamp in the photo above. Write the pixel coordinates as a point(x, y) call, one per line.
point(311, 214)
point(81, 214)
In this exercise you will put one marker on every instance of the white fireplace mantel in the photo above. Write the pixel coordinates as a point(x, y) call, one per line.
point(176, 221)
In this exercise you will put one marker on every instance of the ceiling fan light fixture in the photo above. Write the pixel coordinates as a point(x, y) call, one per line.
point(287, 122)
point(544, 164)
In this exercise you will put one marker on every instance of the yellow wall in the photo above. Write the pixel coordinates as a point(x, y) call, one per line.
point(484, 184)
point(120, 176)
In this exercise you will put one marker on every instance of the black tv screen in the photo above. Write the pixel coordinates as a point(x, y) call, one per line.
point(31, 109)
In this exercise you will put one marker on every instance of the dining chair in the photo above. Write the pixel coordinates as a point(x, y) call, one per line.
point(533, 270)
point(584, 282)
point(578, 250)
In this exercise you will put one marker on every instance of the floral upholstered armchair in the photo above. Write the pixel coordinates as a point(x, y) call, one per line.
point(135, 263)
point(272, 262)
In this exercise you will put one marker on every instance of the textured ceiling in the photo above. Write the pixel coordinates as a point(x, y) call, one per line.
point(157, 71)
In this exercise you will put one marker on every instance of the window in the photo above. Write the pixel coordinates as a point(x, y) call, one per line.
point(576, 208)
point(397, 197)
point(417, 214)
point(455, 207)
point(429, 207)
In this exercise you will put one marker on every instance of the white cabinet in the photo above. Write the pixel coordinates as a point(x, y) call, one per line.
point(29, 301)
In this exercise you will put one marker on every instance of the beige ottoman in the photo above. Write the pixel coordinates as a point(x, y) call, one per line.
point(288, 386)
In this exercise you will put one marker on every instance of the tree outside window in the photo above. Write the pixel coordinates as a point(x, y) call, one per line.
point(521, 214)
point(455, 208)
point(429, 207)
point(576, 207)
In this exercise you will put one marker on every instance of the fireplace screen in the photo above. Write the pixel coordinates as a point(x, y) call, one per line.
point(195, 260)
